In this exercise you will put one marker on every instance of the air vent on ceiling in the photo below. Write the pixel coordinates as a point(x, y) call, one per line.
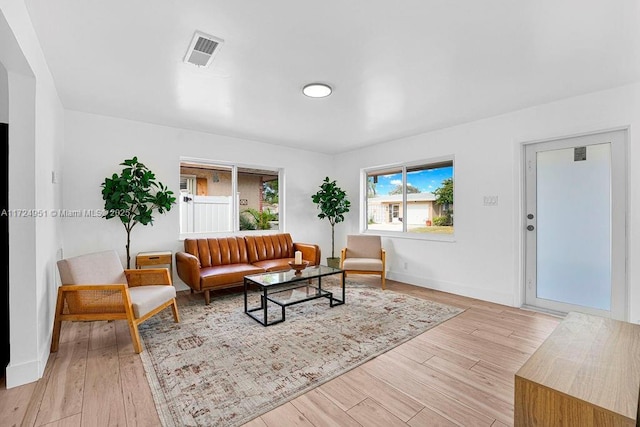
point(202, 49)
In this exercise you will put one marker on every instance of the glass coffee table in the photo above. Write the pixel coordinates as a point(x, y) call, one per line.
point(285, 288)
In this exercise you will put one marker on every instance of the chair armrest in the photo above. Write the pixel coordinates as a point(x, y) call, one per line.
point(109, 287)
point(343, 256)
point(188, 267)
point(309, 251)
point(147, 276)
point(94, 299)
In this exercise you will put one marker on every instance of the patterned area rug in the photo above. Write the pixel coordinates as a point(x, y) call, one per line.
point(219, 367)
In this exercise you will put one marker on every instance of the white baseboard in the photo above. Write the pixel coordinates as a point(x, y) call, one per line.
point(454, 288)
point(23, 373)
point(28, 372)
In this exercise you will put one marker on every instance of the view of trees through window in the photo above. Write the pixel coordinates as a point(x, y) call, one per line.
point(414, 199)
point(207, 202)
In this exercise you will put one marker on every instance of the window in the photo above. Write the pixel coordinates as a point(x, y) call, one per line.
point(411, 198)
point(218, 197)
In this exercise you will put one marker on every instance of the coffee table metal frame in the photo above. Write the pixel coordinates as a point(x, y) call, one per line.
point(270, 284)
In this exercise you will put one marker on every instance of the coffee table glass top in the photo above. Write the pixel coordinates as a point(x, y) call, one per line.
point(280, 277)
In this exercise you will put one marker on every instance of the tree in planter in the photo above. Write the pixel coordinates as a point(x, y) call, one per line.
point(133, 196)
point(333, 204)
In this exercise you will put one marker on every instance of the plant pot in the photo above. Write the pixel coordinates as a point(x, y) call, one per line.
point(333, 262)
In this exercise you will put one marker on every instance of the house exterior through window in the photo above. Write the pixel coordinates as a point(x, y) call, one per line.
point(218, 197)
point(410, 198)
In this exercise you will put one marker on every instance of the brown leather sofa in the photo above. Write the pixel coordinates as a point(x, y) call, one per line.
point(218, 263)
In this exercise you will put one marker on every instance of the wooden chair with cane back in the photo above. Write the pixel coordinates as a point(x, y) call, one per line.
point(364, 254)
point(96, 287)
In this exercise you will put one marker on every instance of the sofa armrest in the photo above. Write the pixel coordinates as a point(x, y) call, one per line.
point(309, 251)
point(188, 267)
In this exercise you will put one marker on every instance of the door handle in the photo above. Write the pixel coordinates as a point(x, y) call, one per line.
point(530, 227)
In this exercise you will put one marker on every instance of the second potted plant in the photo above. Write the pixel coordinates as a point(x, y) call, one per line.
point(333, 204)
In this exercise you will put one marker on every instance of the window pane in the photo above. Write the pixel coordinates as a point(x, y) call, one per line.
point(425, 205)
point(430, 198)
point(258, 198)
point(206, 202)
point(384, 200)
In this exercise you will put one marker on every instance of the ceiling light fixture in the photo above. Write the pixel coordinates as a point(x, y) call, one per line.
point(317, 90)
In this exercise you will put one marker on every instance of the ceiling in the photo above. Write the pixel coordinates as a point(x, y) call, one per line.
point(397, 68)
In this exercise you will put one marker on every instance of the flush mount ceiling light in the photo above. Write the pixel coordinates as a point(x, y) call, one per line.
point(317, 90)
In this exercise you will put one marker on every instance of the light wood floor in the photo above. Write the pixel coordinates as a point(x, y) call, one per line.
point(458, 373)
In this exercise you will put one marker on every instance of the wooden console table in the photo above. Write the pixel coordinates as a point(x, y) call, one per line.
point(587, 373)
point(147, 259)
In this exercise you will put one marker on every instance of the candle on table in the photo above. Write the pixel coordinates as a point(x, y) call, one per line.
point(298, 259)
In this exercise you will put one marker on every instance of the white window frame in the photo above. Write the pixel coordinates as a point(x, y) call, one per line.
point(402, 167)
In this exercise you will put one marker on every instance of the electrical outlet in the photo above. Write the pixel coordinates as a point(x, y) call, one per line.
point(405, 265)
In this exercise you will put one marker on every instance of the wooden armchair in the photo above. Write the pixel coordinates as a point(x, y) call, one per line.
point(364, 254)
point(96, 287)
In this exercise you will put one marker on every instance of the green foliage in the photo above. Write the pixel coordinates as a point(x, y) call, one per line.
point(444, 194)
point(410, 189)
point(270, 192)
point(261, 218)
point(371, 187)
point(333, 204)
point(444, 197)
point(133, 196)
point(246, 223)
point(440, 221)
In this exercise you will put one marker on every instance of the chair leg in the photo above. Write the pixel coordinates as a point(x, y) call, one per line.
point(55, 339)
point(207, 297)
point(174, 308)
point(57, 323)
point(135, 335)
point(383, 280)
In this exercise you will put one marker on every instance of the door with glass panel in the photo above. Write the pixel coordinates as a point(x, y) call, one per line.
point(574, 223)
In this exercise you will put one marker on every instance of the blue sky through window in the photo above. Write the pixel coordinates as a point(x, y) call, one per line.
point(425, 180)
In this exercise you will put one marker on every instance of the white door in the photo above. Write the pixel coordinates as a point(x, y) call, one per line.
point(575, 225)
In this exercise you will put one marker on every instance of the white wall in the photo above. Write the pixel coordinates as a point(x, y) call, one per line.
point(35, 117)
point(485, 259)
point(96, 145)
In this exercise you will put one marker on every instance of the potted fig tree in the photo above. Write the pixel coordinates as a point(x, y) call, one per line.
point(333, 204)
point(133, 196)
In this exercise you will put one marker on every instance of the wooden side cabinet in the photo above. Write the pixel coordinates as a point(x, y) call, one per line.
point(587, 373)
point(155, 259)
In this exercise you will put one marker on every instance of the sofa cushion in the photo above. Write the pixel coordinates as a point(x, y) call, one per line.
point(274, 264)
point(147, 298)
point(272, 246)
point(218, 251)
point(226, 274)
